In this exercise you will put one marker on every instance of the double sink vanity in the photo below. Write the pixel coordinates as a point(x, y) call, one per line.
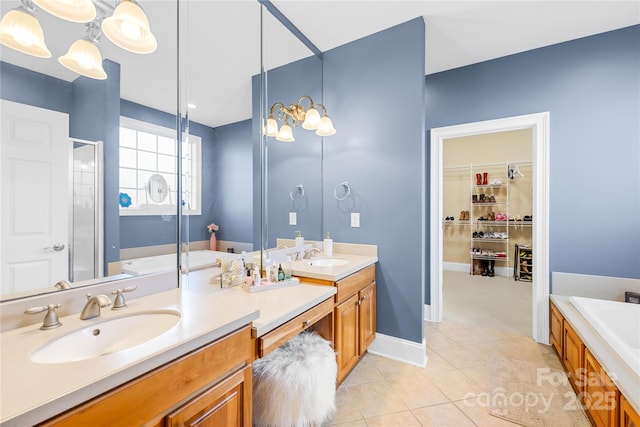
point(183, 355)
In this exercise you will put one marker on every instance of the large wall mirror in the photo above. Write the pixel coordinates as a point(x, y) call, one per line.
point(117, 140)
point(70, 207)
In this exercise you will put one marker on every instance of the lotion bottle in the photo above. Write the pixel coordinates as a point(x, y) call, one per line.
point(299, 239)
point(327, 245)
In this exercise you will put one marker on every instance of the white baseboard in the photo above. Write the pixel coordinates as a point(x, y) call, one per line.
point(466, 268)
point(400, 350)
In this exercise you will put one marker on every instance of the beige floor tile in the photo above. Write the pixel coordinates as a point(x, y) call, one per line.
point(346, 409)
point(437, 340)
point(364, 372)
point(448, 325)
point(471, 335)
point(417, 391)
point(374, 399)
point(390, 368)
point(442, 416)
point(460, 357)
point(478, 411)
point(358, 423)
point(397, 419)
point(455, 385)
point(436, 363)
point(479, 375)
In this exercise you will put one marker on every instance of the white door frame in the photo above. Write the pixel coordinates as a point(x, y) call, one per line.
point(539, 124)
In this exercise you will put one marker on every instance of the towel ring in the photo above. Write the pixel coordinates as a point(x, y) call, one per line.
point(342, 191)
point(297, 192)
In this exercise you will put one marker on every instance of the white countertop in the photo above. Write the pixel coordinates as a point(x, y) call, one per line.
point(32, 392)
point(627, 381)
point(356, 262)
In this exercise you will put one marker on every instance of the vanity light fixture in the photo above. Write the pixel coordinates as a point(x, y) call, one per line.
point(84, 56)
point(21, 31)
point(309, 119)
point(129, 29)
point(70, 10)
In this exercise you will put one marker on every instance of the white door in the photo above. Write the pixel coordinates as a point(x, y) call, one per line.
point(34, 157)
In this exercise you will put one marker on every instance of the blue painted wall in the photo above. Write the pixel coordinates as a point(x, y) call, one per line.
point(29, 87)
point(591, 87)
point(374, 90)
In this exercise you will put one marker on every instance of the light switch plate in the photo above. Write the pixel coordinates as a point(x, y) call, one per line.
point(355, 219)
point(293, 218)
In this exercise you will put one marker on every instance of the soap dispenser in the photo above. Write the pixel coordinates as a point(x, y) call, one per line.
point(327, 245)
point(299, 239)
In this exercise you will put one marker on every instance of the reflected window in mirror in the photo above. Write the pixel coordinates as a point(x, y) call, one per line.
point(148, 170)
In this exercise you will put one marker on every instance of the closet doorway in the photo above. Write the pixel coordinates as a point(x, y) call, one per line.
point(509, 180)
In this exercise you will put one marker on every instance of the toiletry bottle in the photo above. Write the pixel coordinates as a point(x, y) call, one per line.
point(257, 280)
point(327, 245)
point(268, 269)
point(299, 239)
point(273, 274)
point(287, 268)
point(280, 273)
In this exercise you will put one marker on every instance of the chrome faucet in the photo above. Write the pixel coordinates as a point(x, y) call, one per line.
point(311, 252)
point(50, 319)
point(92, 307)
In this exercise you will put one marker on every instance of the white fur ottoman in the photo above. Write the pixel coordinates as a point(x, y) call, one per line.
point(295, 385)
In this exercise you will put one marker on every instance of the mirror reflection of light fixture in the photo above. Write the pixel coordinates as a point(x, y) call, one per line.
point(128, 28)
point(70, 10)
point(21, 31)
point(84, 56)
point(310, 120)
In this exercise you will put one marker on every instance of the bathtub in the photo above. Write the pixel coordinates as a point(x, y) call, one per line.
point(617, 322)
point(164, 263)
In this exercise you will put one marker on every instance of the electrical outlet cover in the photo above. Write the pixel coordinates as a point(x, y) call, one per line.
point(293, 218)
point(355, 219)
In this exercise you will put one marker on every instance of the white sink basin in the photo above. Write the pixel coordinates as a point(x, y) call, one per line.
point(327, 262)
point(106, 337)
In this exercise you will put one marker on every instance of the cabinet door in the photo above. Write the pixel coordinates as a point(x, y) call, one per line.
point(572, 356)
point(346, 335)
point(556, 320)
point(367, 316)
point(628, 416)
point(600, 393)
point(221, 405)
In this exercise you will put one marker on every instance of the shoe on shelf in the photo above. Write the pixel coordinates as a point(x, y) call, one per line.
point(528, 218)
point(524, 266)
point(485, 177)
point(492, 199)
point(478, 179)
point(474, 198)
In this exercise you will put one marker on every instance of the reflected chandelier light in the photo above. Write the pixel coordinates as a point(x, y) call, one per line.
point(310, 120)
point(20, 30)
point(128, 28)
point(84, 56)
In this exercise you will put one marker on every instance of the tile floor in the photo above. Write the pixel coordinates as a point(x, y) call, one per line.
point(448, 391)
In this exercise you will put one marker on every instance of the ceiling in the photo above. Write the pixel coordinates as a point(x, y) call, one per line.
point(223, 49)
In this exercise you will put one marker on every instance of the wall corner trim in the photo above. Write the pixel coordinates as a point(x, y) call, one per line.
point(399, 349)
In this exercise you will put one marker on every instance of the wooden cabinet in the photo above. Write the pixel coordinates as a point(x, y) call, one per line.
point(209, 386)
point(220, 405)
point(600, 394)
point(354, 317)
point(572, 356)
point(556, 328)
point(628, 416)
point(605, 405)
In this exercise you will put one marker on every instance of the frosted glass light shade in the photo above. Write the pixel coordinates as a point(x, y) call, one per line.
point(271, 129)
point(71, 10)
point(285, 134)
point(326, 127)
point(21, 31)
point(311, 119)
point(128, 28)
point(84, 58)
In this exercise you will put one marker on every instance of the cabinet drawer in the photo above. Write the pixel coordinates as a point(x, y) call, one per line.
point(274, 339)
point(352, 284)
